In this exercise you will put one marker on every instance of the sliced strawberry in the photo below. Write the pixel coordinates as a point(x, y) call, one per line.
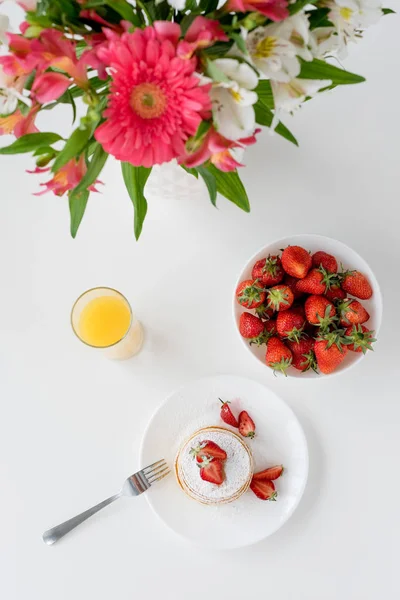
point(247, 427)
point(269, 474)
point(212, 470)
point(263, 489)
point(208, 448)
point(227, 415)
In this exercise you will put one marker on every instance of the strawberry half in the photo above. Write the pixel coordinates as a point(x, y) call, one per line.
point(227, 415)
point(212, 470)
point(207, 449)
point(263, 489)
point(269, 474)
point(247, 427)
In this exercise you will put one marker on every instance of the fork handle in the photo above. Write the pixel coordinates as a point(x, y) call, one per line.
point(55, 533)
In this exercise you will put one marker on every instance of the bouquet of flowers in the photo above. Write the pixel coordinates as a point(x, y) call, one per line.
point(162, 80)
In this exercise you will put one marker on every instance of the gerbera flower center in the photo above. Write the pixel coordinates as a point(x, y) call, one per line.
point(148, 100)
point(265, 48)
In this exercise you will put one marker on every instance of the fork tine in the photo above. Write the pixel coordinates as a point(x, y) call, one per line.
point(160, 476)
point(156, 471)
point(153, 466)
point(154, 476)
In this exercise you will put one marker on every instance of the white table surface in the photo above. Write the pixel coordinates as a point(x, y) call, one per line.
point(72, 422)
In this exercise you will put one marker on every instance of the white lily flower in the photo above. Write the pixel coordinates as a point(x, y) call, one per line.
point(324, 41)
point(273, 53)
point(297, 31)
point(289, 96)
point(10, 92)
point(4, 24)
point(233, 99)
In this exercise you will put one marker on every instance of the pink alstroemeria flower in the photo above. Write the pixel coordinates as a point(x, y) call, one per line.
point(66, 178)
point(202, 33)
point(276, 10)
point(54, 50)
point(49, 86)
point(19, 124)
point(20, 60)
point(218, 150)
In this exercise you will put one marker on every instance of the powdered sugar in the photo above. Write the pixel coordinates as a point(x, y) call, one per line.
point(237, 467)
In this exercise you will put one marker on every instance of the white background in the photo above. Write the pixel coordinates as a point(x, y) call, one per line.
point(71, 422)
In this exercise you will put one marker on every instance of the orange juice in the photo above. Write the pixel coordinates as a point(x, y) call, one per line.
point(104, 321)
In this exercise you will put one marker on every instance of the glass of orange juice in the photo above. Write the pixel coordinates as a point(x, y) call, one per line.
point(102, 318)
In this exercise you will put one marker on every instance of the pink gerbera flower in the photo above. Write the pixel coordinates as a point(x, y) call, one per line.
point(156, 100)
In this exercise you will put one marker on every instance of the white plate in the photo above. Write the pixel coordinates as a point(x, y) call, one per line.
point(343, 254)
point(279, 440)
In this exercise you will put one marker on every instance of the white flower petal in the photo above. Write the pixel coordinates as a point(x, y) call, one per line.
point(232, 120)
point(242, 73)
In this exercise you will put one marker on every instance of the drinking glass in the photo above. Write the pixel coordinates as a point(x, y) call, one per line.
point(103, 319)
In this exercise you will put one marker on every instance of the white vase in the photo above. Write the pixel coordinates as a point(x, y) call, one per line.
point(170, 181)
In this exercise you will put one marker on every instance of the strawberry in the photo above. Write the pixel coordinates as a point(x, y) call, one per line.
point(208, 449)
point(212, 470)
point(317, 281)
point(270, 328)
point(252, 328)
point(264, 311)
point(278, 356)
point(325, 260)
point(305, 362)
point(250, 293)
point(269, 474)
point(320, 311)
point(292, 283)
point(352, 312)
point(263, 489)
point(329, 351)
point(361, 338)
point(268, 270)
point(290, 323)
point(247, 427)
point(356, 284)
point(280, 297)
point(227, 415)
point(303, 354)
point(296, 261)
point(335, 293)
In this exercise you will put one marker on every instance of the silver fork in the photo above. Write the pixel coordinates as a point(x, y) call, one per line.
point(135, 485)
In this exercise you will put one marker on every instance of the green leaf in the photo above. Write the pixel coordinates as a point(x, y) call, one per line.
point(29, 142)
point(230, 186)
point(190, 171)
point(135, 179)
point(208, 6)
point(388, 11)
point(299, 5)
point(240, 43)
point(73, 147)
point(218, 50)
point(94, 169)
point(319, 18)
point(202, 129)
point(77, 206)
point(264, 92)
point(264, 116)
point(210, 182)
point(319, 69)
point(73, 106)
point(124, 9)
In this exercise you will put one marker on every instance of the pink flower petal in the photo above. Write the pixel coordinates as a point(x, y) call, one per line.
point(50, 86)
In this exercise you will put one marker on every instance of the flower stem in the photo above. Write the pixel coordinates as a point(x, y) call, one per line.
point(143, 7)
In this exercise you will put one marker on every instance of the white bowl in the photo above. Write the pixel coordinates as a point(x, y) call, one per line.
point(343, 254)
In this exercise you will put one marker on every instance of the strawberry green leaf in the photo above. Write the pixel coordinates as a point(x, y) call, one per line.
point(319, 69)
point(77, 207)
point(210, 182)
point(135, 180)
point(230, 186)
point(29, 142)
